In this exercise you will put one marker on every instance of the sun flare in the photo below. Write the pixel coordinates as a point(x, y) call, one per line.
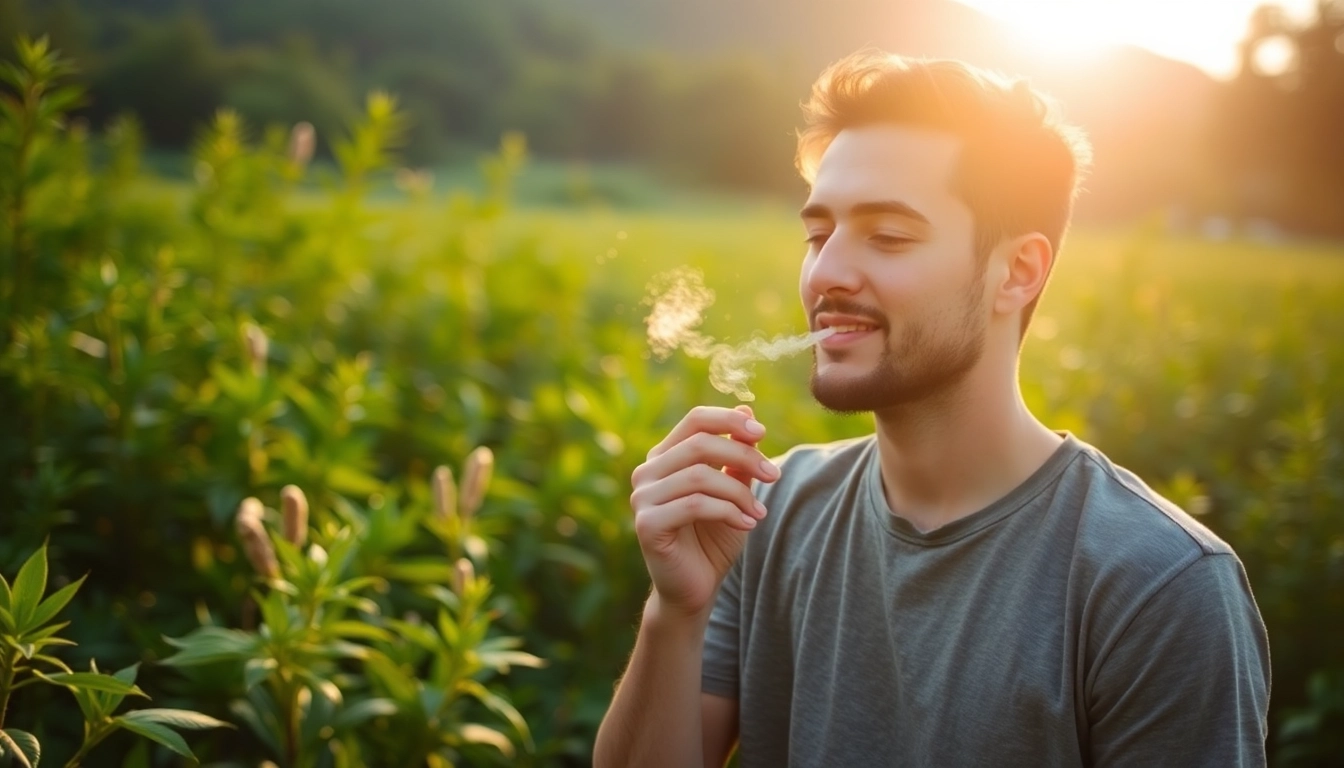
point(1202, 32)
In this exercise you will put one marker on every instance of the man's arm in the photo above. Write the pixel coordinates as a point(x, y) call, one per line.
point(659, 717)
point(1187, 683)
point(693, 508)
point(718, 718)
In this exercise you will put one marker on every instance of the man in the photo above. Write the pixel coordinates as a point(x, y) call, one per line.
point(965, 587)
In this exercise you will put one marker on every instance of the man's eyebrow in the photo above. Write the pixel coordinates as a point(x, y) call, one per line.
point(878, 207)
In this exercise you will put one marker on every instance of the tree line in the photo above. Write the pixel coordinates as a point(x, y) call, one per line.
point(466, 72)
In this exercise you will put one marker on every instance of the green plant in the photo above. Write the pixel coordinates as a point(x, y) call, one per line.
point(28, 627)
point(324, 661)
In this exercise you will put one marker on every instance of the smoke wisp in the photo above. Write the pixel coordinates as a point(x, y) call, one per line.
point(679, 299)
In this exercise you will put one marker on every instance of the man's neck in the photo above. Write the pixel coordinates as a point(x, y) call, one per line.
point(952, 455)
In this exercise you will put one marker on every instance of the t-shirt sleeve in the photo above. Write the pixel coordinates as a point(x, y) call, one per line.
point(1187, 682)
point(719, 671)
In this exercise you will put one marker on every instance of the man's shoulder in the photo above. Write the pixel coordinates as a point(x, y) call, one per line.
point(1131, 537)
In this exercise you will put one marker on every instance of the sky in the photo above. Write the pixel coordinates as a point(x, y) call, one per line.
point(1202, 32)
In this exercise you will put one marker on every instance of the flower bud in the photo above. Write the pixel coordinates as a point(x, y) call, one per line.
point(256, 544)
point(476, 478)
point(294, 519)
point(257, 348)
point(302, 141)
point(463, 575)
point(445, 493)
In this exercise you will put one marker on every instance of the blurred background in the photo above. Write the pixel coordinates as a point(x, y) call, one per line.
point(1197, 109)
point(339, 244)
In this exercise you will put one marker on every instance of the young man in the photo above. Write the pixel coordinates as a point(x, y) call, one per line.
point(965, 587)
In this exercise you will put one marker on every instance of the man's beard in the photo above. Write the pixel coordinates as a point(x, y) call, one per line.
point(923, 364)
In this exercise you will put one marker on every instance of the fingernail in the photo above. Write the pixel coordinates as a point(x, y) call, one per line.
point(769, 469)
point(760, 509)
point(749, 521)
point(755, 427)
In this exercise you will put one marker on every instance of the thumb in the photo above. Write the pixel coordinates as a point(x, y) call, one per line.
point(741, 477)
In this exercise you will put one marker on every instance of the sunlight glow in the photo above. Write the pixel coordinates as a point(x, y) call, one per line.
point(1202, 32)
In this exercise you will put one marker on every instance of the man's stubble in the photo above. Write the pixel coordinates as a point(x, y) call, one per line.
point(922, 365)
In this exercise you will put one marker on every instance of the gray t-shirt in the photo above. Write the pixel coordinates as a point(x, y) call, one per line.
point(1080, 620)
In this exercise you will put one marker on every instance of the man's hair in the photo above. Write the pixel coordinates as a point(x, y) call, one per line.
point(1019, 166)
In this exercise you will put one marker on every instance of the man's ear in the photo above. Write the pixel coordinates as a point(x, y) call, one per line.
point(1026, 263)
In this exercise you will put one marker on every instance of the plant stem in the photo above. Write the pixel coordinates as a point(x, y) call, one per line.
point(92, 735)
point(6, 685)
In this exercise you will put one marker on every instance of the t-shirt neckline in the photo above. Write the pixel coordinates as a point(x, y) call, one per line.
point(976, 521)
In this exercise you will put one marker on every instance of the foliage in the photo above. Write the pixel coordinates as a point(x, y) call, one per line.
point(28, 627)
point(1312, 735)
point(323, 661)
point(175, 350)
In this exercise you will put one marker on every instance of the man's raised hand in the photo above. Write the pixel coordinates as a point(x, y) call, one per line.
point(693, 504)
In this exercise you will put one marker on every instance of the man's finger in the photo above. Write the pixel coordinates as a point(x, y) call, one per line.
point(697, 478)
point(733, 472)
point(715, 421)
point(656, 525)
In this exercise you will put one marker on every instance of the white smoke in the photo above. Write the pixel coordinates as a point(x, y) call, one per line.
point(679, 299)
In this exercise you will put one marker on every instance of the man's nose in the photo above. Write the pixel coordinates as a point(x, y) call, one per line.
point(833, 270)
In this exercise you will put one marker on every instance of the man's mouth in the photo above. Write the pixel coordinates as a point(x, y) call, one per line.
point(845, 331)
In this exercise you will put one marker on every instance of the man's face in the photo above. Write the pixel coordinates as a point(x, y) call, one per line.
point(890, 258)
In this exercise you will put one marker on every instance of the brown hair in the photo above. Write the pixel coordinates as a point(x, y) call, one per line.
point(1020, 163)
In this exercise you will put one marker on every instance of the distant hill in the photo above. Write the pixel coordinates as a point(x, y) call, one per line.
point(1146, 114)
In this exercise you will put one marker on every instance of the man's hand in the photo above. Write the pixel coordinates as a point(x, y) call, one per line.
point(693, 504)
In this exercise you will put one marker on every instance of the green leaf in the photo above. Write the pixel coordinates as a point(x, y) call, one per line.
point(40, 644)
point(475, 733)
point(448, 630)
point(37, 635)
point(499, 706)
point(5, 596)
point(90, 705)
point(358, 629)
point(319, 685)
point(107, 703)
point(418, 634)
point(127, 674)
point(275, 614)
point(398, 681)
point(21, 745)
point(211, 644)
point(364, 710)
point(428, 570)
point(339, 649)
point(258, 713)
point(175, 718)
point(155, 732)
point(256, 670)
point(364, 582)
point(53, 661)
point(502, 660)
point(27, 649)
point(28, 588)
point(92, 681)
point(53, 604)
point(7, 622)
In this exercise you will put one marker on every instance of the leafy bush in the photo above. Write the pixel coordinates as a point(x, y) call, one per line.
point(27, 629)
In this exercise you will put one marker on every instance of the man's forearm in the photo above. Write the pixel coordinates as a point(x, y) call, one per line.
point(654, 719)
